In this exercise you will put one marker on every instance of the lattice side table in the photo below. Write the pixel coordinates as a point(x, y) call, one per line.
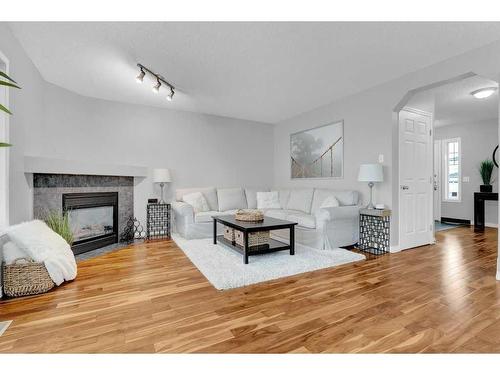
point(158, 221)
point(374, 231)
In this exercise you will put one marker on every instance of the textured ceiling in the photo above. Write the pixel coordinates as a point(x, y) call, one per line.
point(455, 105)
point(258, 71)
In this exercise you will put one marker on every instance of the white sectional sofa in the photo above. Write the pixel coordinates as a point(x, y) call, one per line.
point(320, 228)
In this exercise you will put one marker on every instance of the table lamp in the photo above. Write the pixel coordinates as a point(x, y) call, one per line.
point(161, 176)
point(371, 173)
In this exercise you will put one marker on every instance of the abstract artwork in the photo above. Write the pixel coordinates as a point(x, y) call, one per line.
point(318, 152)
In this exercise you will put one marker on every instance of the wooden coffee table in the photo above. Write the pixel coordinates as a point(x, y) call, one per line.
point(247, 227)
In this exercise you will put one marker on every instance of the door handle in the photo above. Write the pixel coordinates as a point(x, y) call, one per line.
point(405, 187)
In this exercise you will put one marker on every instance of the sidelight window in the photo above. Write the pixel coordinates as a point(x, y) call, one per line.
point(452, 170)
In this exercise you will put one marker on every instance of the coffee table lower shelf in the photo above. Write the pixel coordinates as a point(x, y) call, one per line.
point(273, 246)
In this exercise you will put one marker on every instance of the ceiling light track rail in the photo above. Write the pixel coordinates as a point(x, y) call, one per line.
point(159, 80)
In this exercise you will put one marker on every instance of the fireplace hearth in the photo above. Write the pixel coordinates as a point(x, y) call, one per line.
point(93, 218)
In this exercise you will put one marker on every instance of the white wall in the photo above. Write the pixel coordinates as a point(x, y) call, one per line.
point(478, 141)
point(200, 150)
point(26, 105)
point(4, 152)
point(370, 126)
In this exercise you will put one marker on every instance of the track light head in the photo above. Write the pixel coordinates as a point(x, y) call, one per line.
point(156, 88)
point(171, 95)
point(140, 77)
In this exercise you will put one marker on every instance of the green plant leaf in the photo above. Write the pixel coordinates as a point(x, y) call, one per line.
point(2, 74)
point(3, 83)
point(486, 171)
point(59, 223)
point(2, 144)
point(2, 108)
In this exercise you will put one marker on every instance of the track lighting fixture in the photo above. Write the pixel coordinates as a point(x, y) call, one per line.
point(156, 88)
point(140, 77)
point(171, 95)
point(160, 81)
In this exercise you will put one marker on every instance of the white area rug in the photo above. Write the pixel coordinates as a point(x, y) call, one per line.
point(4, 325)
point(224, 267)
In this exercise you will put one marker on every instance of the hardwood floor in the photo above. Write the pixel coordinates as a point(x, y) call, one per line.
point(150, 298)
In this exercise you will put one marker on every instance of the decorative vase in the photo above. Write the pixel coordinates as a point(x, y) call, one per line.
point(486, 188)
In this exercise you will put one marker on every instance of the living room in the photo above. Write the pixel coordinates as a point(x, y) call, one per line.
point(206, 197)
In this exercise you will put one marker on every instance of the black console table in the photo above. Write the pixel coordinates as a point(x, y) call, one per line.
point(479, 199)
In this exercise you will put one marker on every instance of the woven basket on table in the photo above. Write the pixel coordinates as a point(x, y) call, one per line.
point(229, 234)
point(25, 277)
point(254, 238)
point(249, 215)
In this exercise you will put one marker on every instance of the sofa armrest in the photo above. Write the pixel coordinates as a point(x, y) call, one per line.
point(331, 214)
point(183, 211)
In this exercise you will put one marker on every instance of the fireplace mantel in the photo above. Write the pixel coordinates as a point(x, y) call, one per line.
point(40, 164)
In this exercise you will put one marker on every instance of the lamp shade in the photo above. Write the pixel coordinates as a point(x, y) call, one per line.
point(371, 173)
point(161, 175)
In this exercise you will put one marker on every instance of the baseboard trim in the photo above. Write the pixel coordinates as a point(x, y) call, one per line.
point(491, 225)
point(453, 220)
point(394, 249)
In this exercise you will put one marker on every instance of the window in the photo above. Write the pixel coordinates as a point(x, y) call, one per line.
point(452, 170)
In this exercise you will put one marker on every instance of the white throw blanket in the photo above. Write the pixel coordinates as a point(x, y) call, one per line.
point(35, 240)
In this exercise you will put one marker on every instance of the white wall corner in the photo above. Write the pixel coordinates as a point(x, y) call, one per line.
point(394, 249)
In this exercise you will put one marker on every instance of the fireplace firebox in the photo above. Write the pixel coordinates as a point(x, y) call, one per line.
point(93, 219)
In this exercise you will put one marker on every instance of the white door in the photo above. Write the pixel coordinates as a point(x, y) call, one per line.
point(415, 179)
point(437, 180)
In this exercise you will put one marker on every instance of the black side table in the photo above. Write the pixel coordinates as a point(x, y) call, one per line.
point(158, 221)
point(479, 199)
point(374, 231)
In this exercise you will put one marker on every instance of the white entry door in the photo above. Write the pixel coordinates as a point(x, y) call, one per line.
point(415, 179)
point(437, 181)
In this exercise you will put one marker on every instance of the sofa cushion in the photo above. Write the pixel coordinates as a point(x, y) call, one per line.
point(345, 198)
point(276, 214)
point(228, 212)
point(197, 201)
point(231, 199)
point(266, 200)
point(300, 200)
point(205, 217)
point(209, 193)
point(251, 195)
point(284, 194)
point(330, 201)
point(303, 219)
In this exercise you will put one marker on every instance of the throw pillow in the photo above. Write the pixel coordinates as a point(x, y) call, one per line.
point(268, 199)
point(198, 201)
point(330, 201)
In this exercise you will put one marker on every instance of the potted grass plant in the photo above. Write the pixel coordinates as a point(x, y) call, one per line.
point(486, 172)
point(6, 81)
point(59, 223)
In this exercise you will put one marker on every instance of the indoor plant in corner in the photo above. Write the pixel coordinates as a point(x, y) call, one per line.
point(486, 172)
point(5, 80)
point(59, 223)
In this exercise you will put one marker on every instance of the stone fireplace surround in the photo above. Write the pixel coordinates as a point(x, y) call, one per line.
point(48, 190)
